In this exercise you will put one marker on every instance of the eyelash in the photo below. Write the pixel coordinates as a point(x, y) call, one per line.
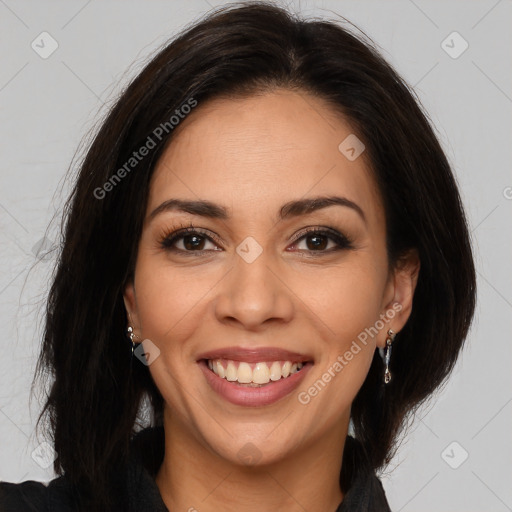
point(167, 240)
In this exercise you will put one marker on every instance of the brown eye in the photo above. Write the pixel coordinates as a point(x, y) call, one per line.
point(187, 240)
point(193, 242)
point(315, 242)
point(322, 241)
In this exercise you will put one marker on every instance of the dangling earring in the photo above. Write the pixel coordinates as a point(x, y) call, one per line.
point(132, 337)
point(387, 355)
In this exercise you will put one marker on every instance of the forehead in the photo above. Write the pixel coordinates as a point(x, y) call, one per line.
point(270, 147)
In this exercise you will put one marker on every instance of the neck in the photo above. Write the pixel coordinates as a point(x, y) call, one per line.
point(192, 478)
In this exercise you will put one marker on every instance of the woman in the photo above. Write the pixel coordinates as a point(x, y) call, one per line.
point(266, 240)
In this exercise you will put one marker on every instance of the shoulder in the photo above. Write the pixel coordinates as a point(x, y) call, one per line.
point(134, 484)
point(23, 497)
point(32, 496)
point(364, 490)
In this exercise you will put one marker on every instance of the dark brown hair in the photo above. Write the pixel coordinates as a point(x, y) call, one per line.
point(238, 50)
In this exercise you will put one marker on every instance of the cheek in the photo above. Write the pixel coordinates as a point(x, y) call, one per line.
point(347, 351)
point(348, 301)
point(168, 300)
point(348, 298)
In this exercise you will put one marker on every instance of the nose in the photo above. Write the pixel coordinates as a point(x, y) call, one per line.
point(253, 295)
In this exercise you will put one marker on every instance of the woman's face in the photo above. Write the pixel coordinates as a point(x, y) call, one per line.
point(263, 281)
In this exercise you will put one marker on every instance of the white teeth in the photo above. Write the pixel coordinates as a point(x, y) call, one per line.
point(261, 374)
point(244, 373)
point(220, 370)
point(275, 371)
point(258, 373)
point(231, 372)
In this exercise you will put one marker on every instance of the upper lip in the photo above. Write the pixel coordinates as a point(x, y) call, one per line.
point(255, 355)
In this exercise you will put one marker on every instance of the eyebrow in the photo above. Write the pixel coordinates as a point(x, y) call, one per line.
point(291, 209)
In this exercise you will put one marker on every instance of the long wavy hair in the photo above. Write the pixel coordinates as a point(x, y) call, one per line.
point(95, 394)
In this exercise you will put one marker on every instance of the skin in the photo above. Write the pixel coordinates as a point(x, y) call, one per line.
point(252, 155)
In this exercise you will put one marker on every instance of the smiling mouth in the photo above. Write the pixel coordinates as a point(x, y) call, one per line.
point(253, 374)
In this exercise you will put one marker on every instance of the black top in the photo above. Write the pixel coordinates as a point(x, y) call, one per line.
point(142, 494)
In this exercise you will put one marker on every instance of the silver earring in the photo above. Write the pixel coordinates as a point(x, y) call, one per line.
point(132, 337)
point(387, 355)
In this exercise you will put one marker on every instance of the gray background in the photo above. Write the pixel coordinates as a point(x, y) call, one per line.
point(48, 105)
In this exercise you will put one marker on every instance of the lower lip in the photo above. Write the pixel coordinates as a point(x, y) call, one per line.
point(254, 397)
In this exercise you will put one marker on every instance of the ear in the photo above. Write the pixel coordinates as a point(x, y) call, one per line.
point(130, 303)
point(399, 293)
